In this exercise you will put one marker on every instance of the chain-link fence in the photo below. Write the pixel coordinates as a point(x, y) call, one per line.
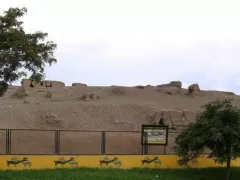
point(32, 142)
point(77, 142)
point(123, 143)
point(21, 141)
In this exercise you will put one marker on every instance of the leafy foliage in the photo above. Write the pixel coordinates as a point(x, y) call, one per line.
point(217, 129)
point(37, 77)
point(20, 51)
point(3, 88)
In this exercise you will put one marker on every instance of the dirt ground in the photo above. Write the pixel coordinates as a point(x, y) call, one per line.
point(96, 109)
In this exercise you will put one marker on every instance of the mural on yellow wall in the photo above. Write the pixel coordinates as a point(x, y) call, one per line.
point(148, 161)
point(194, 161)
point(95, 161)
point(61, 161)
point(14, 161)
point(108, 161)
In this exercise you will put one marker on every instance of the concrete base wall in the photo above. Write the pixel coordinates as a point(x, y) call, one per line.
point(98, 161)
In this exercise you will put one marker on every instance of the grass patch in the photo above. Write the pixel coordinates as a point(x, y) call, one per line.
point(118, 174)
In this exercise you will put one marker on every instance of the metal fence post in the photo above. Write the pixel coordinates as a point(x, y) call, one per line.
point(8, 141)
point(57, 141)
point(146, 146)
point(103, 143)
point(146, 149)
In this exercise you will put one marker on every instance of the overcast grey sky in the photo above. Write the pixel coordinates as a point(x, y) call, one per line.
point(131, 42)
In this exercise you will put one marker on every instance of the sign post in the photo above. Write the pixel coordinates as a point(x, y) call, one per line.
point(154, 135)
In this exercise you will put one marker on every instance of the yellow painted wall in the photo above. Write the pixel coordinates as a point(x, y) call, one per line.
point(132, 161)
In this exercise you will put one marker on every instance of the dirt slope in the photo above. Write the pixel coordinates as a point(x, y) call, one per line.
point(99, 109)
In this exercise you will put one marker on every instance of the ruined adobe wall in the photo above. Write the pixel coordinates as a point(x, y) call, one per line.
point(176, 119)
point(46, 83)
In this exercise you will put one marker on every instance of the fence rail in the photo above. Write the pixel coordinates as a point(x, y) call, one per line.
point(77, 142)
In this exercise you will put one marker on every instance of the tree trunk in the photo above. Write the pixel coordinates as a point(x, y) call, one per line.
point(228, 171)
point(228, 168)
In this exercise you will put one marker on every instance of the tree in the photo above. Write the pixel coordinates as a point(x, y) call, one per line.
point(217, 129)
point(20, 51)
point(37, 77)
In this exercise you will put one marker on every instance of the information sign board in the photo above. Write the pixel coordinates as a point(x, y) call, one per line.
point(154, 135)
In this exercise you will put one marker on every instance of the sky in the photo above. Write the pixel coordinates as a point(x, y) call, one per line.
point(139, 42)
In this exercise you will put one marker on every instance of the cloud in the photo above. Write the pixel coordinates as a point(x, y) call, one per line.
point(140, 41)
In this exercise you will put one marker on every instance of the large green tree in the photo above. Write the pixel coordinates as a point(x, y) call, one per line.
point(217, 128)
point(21, 52)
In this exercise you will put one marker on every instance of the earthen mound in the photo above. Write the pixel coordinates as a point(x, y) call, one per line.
point(119, 108)
point(48, 95)
point(26, 102)
point(118, 90)
point(20, 93)
point(177, 84)
point(168, 90)
point(140, 87)
point(229, 93)
point(90, 96)
point(74, 92)
point(52, 120)
point(193, 88)
point(79, 84)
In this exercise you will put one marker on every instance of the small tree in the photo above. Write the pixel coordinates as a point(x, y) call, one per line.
point(20, 51)
point(217, 128)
